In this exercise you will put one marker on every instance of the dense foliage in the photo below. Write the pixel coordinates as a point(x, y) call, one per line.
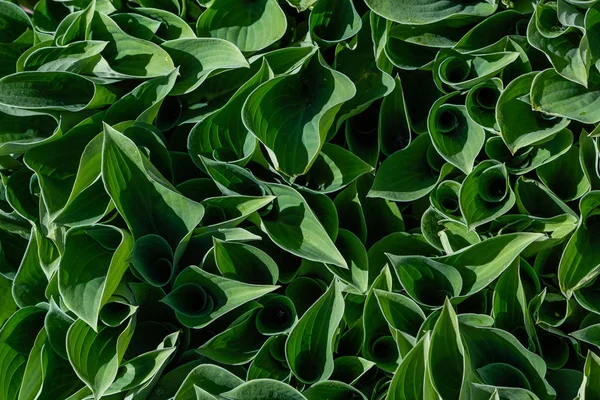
point(299, 199)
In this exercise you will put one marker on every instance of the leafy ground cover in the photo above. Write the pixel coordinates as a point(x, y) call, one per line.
point(299, 200)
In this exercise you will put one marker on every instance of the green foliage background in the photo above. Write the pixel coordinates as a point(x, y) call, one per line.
point(299, 199)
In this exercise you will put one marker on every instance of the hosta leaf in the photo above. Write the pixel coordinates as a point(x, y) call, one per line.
point(58, 91)
point(536, 199)
point(264, 389)
point(71, 58)
point(565, 176)
point(589, 386)
point(171, 26)
point(329, 29)
point(199, 57)
point(237, 345)
point(230, 211)
point(531, 127)
point(17, 22)
point(277, 315)
point(334, 168)
point(486, 194)
point(19, 133)
point(489, 31)
point(446, 358)
point(460, 71)
point(254, 26)
point(427, 281)
point(555, 95)
point(293, 226)
point(269, 362)
point(141, 195)
point(153, 259)
point(371, 78)
point(566, 52)
point(310, 356)
point(30, 281)
point(332, 390)
point(143, 102)
point(580, 261)
point(46, 373)
point(137, 25)
point(527, 160)
point(96, 356)
point(394, 121)
point(481, 263)
point(223, 136)
point(245, 263)
point(481, 103)
point(17, 338)
point(455, 136)
point(410, 380)
point(500, 360)
point(87, 282)
point(419, 177)
point(210, 378)
point(199, 297)
point(139, 370)
point(417, 12)
point(127, 55)
point(302, 108)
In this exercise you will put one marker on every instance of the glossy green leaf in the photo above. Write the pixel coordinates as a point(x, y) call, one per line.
point(275, 107)
point(310, 356)
point(252, 27)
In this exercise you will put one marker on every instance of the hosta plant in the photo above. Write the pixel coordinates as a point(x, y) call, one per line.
point(299, 200)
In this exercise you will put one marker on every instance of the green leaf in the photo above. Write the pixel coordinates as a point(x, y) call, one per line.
point(326, 28)
point(210, 378)
point(52, 91)
point(264, 389)
point(199, 297)
point(455, 136)
point(589, 386)
point(144, 199)
point(223, 133)
point(485, 194)
point(528, 159)
point(419, 176)
point(310, 356)
point(566, 52)
point(94, 261)
point(254, 26)
point(277, 316)
point(292, 225)
point(555, 95)
point(531, 127)
point(143, 102)
point(446, 358)
point(125, 55)
point(332, 390)
point(96, 356)
point(481, 263)
point(410, 379)
point(460, 71)
point(153, 259)
point(565, 176)
point(418, 12)
point(302, 108)
point(17, 338)
point(334, 169)
point(237, 345)
point(580, 261)
point(199, 57)
point(427, 281)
